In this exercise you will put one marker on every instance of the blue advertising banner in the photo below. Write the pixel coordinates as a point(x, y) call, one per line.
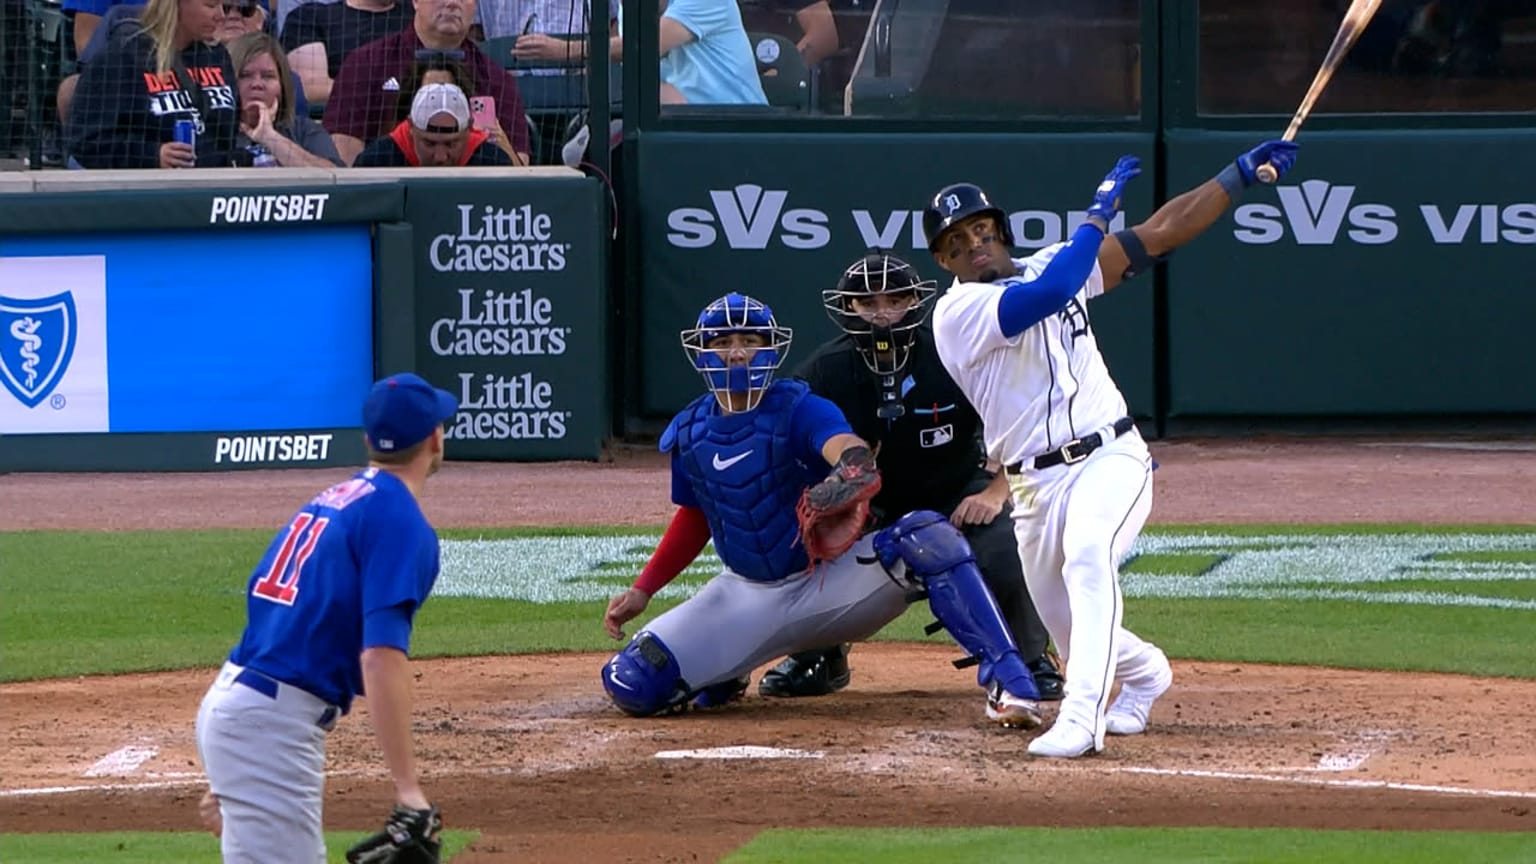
point(176, 332)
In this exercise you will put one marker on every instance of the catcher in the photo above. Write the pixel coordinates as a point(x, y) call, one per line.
point(774, 475)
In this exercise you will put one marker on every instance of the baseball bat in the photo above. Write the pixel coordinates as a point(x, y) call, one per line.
point(1359, 15)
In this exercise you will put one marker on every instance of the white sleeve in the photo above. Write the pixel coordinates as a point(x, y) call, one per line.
point(966, 320)
point(1094, 287)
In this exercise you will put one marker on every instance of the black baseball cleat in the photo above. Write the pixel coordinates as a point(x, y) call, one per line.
point(809, 673)
point(1047, 678)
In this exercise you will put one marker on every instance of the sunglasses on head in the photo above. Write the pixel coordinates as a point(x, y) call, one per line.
point(246, 9)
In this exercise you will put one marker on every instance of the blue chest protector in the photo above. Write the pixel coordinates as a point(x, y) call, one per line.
point(747, 475)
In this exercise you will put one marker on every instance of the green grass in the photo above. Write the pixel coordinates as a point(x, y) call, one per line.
point(74, 603)
point(1512, 589)
point(1139, 845)
point(123, 847)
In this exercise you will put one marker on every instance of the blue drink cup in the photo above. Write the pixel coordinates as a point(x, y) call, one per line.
point(186, 133)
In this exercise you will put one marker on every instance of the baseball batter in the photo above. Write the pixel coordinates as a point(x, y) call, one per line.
point(742, 455)
point(330, 609)
point(885, 376)
point(1015, 336)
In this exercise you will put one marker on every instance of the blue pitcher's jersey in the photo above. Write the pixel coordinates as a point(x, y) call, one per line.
point(347, 573)
point(746, 472)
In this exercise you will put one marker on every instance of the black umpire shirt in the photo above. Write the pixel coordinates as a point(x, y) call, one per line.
point(931, 456)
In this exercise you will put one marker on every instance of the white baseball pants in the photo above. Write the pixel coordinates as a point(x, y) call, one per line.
point(265, 760)
point(1075, 524)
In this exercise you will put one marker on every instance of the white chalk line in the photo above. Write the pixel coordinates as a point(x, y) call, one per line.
point(1340, 783)
point(1324, 781)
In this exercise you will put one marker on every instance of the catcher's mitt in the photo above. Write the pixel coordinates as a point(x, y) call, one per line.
point(834, 513)
point(409, 837)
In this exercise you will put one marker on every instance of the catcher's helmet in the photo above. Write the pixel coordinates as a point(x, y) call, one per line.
point(737, 313)
point(959, 201)
point(885, 345)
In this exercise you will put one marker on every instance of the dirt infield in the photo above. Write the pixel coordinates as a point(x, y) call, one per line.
point(526, 750)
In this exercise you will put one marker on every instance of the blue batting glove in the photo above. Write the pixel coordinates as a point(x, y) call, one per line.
point(1106, 198)
point(1280, 154)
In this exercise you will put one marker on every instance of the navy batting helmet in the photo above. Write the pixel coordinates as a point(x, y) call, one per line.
point(959, 201)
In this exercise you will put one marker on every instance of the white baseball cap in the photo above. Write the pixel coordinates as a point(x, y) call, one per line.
point(435, 99)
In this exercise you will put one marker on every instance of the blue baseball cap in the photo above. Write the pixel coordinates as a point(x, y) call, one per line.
point(402, 410)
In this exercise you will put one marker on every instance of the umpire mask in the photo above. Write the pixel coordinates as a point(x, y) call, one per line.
point(880, 301)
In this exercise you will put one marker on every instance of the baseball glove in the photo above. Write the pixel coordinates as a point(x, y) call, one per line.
point(834, 513)
point(409, 837)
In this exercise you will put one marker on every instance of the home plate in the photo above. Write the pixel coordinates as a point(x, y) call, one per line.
point(744, 751)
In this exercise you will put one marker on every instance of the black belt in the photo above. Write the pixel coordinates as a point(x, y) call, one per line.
point(1076, 450)
point(268, 688)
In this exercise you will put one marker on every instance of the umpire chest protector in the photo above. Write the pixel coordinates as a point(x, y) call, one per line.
point(747, 476)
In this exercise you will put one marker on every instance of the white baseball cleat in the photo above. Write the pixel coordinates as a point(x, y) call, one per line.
point(1006, 709)
point(1127, 715)
point(1065, 740)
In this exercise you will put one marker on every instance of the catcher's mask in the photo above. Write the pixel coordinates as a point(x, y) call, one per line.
point(958, 202)
point(737, 313)
point(884, 342)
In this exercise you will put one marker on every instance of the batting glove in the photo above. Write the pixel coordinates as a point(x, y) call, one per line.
point(1106, 198)
point(1280, 154)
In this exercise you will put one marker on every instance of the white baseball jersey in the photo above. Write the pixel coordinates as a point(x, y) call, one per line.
point(1040, 389)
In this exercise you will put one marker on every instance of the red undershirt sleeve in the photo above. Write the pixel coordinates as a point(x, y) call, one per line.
point(684, 540)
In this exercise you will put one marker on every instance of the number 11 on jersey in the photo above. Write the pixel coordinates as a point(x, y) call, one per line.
point(281, 582)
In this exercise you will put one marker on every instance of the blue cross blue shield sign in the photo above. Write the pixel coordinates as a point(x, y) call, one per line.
point(37, 340)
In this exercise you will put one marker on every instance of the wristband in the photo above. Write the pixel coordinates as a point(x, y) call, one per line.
point(1231, 179)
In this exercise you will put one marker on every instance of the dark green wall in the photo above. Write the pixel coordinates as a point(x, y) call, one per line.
point(1391, 273)
point(816, 191)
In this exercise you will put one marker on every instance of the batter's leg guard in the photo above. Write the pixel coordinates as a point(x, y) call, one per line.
point(939, 559)
point(644, 680)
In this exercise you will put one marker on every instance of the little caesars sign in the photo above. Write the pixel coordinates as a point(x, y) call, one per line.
point(505, 317)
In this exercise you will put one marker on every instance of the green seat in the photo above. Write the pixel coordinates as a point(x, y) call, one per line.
point(781, 69)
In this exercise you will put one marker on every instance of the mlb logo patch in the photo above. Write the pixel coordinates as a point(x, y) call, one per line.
point(937, 436)
point(37, 341)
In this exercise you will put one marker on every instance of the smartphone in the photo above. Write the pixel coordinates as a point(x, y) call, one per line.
point(483, 110)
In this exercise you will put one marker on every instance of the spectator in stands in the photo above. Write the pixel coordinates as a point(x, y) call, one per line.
point(241, 17)
point(271, 132)
point(554, 18)
point(439, 132)
point(238, 18)
point(165, 68)
point(320, 36)
point(705, 56)
point(362, 99)
point(829, 34)
point(811, 25)
point(84, 17)
point(547, 31)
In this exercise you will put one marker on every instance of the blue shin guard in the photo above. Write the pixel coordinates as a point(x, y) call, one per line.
point(644, 680)
point(939, 559)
